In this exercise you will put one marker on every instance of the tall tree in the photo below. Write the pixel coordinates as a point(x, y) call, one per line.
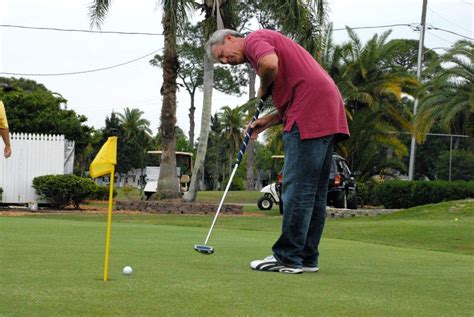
point(232, 122)
point(190, 72)
point(133, 123)
point(216, 153)
point(218, 14)
point(136, 136)
point(449, 99)
point(32, 108)
point(374, 100)
point(125, 150)
point(174, 16)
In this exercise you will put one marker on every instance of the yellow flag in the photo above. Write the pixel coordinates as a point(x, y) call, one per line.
point(105, 159)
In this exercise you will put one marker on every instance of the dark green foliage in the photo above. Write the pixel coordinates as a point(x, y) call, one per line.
point(403, 194)
point(101, 192)
point(133, 139)
point(62, 190)
point(366, 193)
point(31, 108)
point(462, 165)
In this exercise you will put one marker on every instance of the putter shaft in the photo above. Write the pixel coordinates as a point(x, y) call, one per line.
point(221, 203)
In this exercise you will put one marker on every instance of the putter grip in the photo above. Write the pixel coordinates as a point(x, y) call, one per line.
point(248, 133)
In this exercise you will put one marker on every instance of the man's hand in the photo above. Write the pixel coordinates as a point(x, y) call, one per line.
point(264, 123)
point(7, 151)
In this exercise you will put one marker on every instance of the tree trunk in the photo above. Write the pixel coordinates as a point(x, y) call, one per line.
point(168, 185)
point(192, 109)
point(250, 182)
point(205, 127)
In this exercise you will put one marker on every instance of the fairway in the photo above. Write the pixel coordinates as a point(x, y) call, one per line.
point(52, 265)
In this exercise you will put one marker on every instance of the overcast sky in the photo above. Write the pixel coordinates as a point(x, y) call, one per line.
point(137, 84)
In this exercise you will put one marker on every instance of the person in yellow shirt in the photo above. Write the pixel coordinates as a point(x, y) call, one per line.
point(4, 131)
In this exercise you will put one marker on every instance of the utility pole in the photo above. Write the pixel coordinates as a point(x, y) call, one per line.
point(411, 167)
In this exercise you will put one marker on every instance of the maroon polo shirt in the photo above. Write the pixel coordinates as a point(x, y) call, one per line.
point(303, 92)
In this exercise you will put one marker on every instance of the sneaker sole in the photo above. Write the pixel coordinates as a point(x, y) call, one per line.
point(310, 269)
point(276, 267)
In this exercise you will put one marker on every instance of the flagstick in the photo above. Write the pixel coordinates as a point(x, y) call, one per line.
point(109, 223)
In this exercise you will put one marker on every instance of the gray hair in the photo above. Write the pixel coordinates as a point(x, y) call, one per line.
point(218, 38)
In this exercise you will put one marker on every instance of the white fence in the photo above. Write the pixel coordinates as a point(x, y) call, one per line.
point(33, 155)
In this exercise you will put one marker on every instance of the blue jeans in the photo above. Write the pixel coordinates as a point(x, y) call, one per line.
point(305, 184)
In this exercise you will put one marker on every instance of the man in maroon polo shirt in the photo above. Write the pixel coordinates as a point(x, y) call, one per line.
point(312, 112)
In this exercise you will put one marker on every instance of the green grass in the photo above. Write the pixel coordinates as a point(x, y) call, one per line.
point(233, 197)
point(415, 262)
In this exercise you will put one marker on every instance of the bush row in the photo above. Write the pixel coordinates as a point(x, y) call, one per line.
point(63, 190)
point(404, 194)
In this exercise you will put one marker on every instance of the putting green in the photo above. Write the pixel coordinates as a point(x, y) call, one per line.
point(54, 267)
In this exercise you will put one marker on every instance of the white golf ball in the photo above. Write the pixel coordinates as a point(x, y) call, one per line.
point(127, 270)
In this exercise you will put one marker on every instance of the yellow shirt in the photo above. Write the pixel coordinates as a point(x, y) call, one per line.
point(3, 117)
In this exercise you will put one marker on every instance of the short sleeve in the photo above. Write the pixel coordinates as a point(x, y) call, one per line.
point(3, 117)
point(256, 47)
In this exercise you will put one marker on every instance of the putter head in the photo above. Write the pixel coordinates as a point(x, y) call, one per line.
point(204, 249)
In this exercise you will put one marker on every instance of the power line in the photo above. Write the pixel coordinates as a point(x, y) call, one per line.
point(84, 71)
point(448, 31)
point(453, 23)
point(413, 26)
point(439, 37)
point(77, 30)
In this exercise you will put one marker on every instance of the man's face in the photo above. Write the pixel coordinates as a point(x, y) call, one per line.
point(230, 52)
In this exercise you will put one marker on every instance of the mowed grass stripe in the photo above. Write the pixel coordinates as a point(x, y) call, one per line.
point(54, 267)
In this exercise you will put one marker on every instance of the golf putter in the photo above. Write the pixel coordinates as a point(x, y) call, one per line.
point(207, 249)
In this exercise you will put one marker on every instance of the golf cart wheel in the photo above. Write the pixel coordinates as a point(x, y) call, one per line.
point(265, 203)
point(339, 199)
point(352, 201)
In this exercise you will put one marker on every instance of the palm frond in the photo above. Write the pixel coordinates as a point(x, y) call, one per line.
point(97, 12)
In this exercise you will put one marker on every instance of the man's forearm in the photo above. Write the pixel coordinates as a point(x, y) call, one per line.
point(5, 136)
point(267, 71)
point(273, 119)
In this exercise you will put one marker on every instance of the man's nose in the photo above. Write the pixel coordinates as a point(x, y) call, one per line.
point(223, 60)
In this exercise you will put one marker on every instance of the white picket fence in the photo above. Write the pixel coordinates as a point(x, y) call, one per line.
point(33, 155)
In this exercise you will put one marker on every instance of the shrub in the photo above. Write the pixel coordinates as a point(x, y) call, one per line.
point(395, 194)
point(404, 194)
point(62, 190)
point(101, 192)
point(366, 193)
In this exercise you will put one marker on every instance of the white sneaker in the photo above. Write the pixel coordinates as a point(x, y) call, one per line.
point(310, 269)
point(270, 264)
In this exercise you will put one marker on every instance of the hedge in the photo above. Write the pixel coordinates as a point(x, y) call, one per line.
point(406, 194)
point(101, 192)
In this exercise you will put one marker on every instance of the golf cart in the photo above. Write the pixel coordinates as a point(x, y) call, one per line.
point(272, 192)
point(184, 167)
point(342, 188)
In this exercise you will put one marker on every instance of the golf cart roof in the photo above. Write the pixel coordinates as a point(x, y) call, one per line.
point(278, 156)
point(177, 153)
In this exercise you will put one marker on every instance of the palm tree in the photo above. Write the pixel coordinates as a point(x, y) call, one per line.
point(215, 157)
point(136, 136)
point(373, 94)
point(232, 120)
point(450, 96)
point(133, 123)
point(174, 16)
